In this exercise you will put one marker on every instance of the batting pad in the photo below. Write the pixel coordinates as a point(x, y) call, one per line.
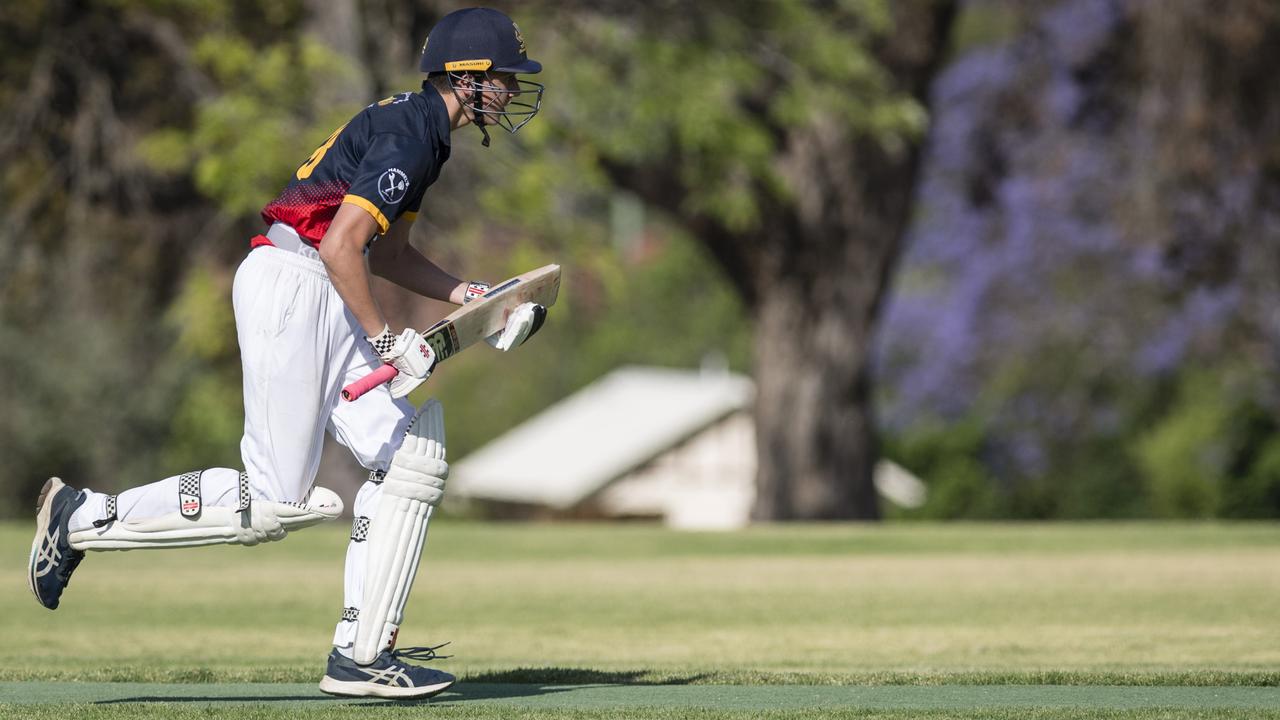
point(263, 521)
point(414, 484)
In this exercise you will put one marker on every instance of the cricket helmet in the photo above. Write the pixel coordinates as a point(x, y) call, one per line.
point(476, 39)
point(466, 46)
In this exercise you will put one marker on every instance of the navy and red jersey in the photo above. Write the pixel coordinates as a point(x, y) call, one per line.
point(381, 161)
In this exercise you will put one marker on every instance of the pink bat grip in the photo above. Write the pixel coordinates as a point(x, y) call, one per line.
point(369, 382)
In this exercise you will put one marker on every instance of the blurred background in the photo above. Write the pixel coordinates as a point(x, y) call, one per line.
point(850, 259)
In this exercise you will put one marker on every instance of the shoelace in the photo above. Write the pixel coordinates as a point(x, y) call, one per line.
point(420, 653)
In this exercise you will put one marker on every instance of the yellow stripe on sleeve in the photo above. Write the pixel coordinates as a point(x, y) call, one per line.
point(371, 209)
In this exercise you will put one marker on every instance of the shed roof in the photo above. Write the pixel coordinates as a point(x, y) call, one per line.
point(577, 446)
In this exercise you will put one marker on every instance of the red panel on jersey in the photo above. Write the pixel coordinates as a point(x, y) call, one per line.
point(309, 209)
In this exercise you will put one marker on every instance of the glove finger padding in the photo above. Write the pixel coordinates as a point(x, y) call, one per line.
point(410, 355)
point(523, 322)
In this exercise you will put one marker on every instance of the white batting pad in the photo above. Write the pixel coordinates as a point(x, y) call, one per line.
point(262, 522)
point(414, 484)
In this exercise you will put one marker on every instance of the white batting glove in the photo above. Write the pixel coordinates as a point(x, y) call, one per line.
point(522, 323)
point(409, 354)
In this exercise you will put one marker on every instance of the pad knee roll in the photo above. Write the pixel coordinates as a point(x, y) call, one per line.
point(416, 478)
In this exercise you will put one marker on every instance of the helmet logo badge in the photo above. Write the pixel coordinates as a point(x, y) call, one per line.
point(519, 37)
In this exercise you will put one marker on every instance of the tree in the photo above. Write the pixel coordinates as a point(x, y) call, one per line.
point(124, 115)
point(785, 137)
point(1092, 273)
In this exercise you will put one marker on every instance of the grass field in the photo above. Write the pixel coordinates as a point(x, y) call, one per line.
point(1027, 621)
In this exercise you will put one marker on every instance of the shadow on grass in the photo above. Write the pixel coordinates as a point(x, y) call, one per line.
point(581, 676)
point(210, 699)
point(506, 684)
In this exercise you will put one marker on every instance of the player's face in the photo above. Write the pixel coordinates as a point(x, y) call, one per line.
point(503, 99)
point(499, 90)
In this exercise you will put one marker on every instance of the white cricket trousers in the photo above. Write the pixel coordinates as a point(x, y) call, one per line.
point(299, 345)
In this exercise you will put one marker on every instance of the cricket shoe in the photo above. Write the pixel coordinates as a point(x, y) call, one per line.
point(52, 557)
point(387, 676)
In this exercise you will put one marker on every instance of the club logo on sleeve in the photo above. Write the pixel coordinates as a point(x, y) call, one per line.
point(393, 185)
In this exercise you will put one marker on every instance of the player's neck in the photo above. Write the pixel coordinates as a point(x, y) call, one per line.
point(457, 116)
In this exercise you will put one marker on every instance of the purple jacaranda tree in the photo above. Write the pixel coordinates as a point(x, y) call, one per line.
point(1086, 229)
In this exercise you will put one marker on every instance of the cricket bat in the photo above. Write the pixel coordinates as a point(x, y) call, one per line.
point(474, 321)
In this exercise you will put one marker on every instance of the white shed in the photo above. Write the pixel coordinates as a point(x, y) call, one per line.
point(642, 442)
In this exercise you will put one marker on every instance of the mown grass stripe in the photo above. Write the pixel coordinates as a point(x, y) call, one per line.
point(585, 676)
point(723, 697)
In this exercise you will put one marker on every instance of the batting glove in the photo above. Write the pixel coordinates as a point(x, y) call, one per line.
point(409, 354)
point(522, 323)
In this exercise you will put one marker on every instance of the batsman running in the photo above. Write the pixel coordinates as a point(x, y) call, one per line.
point(307, 325)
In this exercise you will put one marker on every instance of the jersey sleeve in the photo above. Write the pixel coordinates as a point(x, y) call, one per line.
point(414, 204)
point(391, 178)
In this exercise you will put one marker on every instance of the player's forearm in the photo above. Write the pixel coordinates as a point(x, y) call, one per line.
point(413, 271)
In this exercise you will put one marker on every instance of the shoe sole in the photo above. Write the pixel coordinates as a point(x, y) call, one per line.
point(367, 689)
point(44, 508)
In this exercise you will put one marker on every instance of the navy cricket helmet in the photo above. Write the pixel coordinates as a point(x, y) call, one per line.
point(476, 39)
point(466, 45)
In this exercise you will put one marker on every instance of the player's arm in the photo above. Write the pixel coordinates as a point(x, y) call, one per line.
point(342, 251)
point(393, 258)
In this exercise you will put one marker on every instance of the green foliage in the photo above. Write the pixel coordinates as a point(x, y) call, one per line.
point(202, 317)
point(949, 460)
point(114, 314)
point(1255, 492)
point(1185, 457)
point(1215, 454)
point(207, 419)
point(669, 88)
point(247, 140)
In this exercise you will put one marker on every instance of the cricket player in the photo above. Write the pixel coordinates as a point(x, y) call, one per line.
point(307, 325)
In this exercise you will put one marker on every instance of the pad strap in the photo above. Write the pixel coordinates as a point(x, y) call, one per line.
point(245, 497)
point(189, 503)
point(111, 513)
point(360, 529)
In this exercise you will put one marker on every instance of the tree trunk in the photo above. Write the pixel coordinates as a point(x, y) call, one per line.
point(818, 288)
point(813, 411)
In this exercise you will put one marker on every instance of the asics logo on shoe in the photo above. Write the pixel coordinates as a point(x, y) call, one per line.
point(388, 676)
point(48, 553)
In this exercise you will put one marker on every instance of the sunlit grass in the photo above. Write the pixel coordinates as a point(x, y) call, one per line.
point(1086, 603)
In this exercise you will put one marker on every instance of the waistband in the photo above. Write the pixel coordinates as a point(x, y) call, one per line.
point(284, 245)
point(288, 239)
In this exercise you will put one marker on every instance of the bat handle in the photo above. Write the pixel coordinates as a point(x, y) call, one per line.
point(383, 374)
